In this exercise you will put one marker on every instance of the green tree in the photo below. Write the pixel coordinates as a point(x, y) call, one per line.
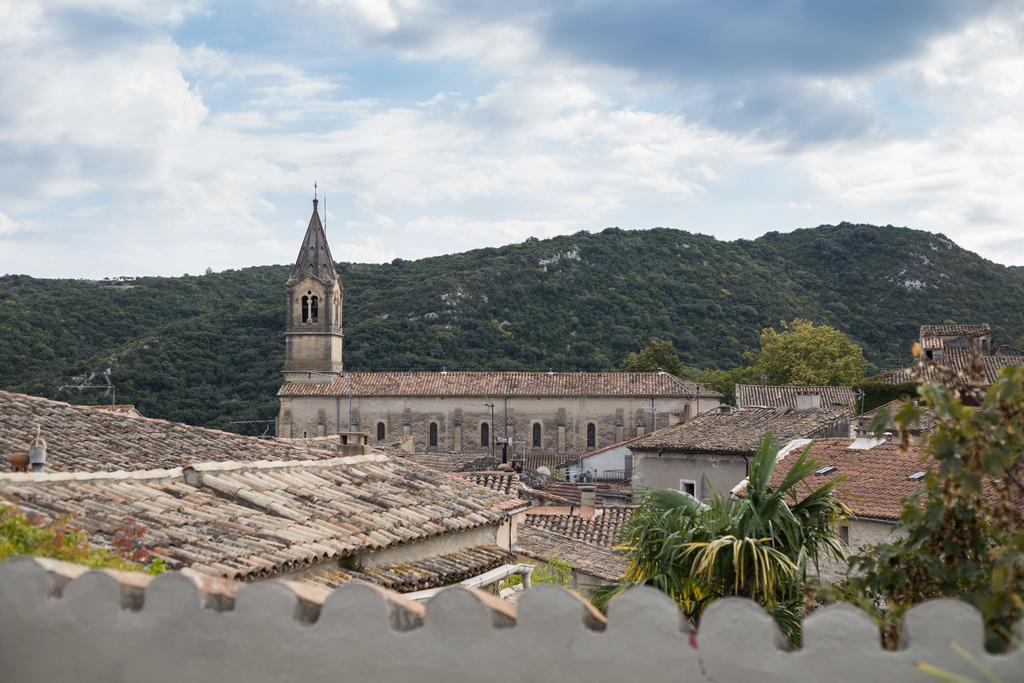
point(963, 532)
point(805, 353)
point(657, 355)
point(758, 546)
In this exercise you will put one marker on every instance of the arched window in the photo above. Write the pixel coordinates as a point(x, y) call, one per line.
point(381, 431)
point(314, 308)
point(591, 435)
point(485, 434)
point(432, 435)
point(536, 434)
point(305, 309)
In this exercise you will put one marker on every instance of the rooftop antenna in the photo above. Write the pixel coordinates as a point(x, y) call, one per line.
point(83, 382)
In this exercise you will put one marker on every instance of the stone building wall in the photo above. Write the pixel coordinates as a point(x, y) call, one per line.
point(563, 421)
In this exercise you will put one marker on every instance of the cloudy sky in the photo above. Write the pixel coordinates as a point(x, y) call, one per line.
point(168, 136)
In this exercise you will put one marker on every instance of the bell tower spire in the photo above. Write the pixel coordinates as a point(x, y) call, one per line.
point(314, 293)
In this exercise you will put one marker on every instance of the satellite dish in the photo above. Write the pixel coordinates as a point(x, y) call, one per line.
point(543, 469)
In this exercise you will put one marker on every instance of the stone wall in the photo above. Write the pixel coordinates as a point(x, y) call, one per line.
point(563, 421)
point(99, 627)
point(651, 470)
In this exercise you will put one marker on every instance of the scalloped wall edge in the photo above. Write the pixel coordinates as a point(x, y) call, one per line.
point(61, 621)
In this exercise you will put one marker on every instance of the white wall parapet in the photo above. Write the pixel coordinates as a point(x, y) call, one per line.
point(60, 623)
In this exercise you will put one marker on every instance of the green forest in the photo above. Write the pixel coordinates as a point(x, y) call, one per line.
point(208, 349)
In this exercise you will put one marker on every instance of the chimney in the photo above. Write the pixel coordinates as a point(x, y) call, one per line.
point(37, 453)
point(808, 401)
point(588, 496)
point(724, 409)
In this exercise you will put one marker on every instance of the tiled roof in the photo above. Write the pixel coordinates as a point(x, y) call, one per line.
point(453, 462)
point(571, 492)
point(431, 572)
point(981, 330)
point(122, 408)
point(740, 430)
point(775, 396)
point(926, 423)
point(875, 478)
point(253, 520)
point(492, 384)
point(94, 439)
point(600, 529)
point(959, 359)
point(533, 460)
point(544, 545)
point(505, 483)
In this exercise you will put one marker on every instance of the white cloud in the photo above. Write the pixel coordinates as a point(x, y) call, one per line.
point(148, 157)
point(962, 175)
point(7, 226)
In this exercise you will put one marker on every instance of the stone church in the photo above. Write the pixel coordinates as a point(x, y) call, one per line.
point(553, 412)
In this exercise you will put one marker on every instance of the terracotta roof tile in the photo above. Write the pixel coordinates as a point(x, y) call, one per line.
point(253, 520)
point(452, 462)
point(505, 483)
point(491, 384)
point(741, 430)
point(959, 359)
point(95, 439)
point(600, 530)
point(876, 478)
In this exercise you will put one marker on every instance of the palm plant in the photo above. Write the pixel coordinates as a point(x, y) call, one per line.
point(759, 546)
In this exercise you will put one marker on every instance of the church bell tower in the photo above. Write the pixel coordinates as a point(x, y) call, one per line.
point(312, 333)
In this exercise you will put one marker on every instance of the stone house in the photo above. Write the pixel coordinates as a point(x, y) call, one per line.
point(611, 463)
point(958, 347)
point(712, 451)
point(935, 339)
point(554, 412)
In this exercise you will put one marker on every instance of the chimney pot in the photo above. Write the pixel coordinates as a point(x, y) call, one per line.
point(37, 454)
point(19, 461)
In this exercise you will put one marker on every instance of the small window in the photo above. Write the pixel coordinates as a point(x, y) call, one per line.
point(916, 476)
point(337, 314)
point(536, 434)
point(305, 309)
point(314, 309)
point(828, 469)
point(381, 431)
point(844, 534)
point(688, 486)
point(591, 435)
point(485, 434)
point(432, 435)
